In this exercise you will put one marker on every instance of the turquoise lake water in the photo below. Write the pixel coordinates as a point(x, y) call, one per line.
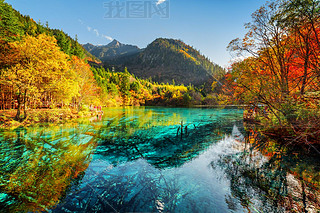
point(139, 160)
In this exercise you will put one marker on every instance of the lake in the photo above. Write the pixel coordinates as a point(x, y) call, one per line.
point(153, 159)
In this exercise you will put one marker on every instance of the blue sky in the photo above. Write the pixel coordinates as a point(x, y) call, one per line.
point(207, 25)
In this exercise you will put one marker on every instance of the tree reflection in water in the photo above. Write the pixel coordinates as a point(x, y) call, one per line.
point(37, 167)
point(133, 168)
point(141, 164)
point(136, 165)
point(289, 177)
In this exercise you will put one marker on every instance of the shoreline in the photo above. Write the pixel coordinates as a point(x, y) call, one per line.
point(60, 116)
point(38, 116)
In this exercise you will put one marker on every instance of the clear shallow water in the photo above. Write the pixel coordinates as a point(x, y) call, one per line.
point(136, 160)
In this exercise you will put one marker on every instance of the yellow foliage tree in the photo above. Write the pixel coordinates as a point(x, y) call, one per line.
point(88, 89)
point(43, 73)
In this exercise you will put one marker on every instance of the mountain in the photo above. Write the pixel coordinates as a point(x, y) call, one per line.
point(111, 51)
point(164, 60)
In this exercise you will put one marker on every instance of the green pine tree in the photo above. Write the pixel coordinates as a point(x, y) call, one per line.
point(76, 48)
point(10, 28)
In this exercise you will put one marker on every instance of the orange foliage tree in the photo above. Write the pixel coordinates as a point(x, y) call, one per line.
point(279, 70)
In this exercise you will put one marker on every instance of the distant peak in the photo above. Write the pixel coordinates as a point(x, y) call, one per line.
point(114, 43)
point(88, 44)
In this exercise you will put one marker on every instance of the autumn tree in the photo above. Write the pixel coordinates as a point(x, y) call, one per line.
point(280, 68)
point(301, 19)
point(42, 70)
point(125, 86)
point(269, 45)
point(88, 89)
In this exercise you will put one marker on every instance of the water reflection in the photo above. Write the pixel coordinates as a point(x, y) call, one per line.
point(37, 166)
point(143, 165)
point(163, 137)
point(143, 162)
point(284, 177)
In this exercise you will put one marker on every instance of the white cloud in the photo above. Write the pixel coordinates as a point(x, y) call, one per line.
point(160, 2)
point(97, 32)
point(107, 37)
point(81, 22)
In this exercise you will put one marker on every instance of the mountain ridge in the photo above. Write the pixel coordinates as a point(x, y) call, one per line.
point(111, 50)
point(166, 60)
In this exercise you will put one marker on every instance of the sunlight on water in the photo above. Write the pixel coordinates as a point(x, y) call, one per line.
point(139, 160)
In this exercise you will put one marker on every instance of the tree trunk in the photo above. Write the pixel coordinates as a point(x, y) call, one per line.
point(17, 117)
point(305, 74)
point(25, 103)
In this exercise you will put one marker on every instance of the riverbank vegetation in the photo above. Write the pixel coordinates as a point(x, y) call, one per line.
point(277, 75)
